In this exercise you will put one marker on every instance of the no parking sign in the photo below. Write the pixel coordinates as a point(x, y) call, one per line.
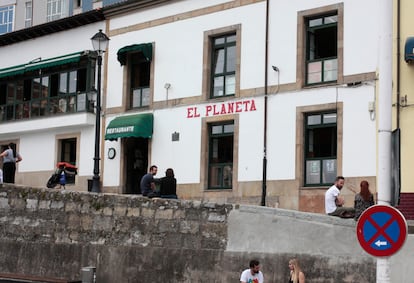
point(381, 230)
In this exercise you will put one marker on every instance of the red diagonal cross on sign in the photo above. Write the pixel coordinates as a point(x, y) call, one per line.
point(380, 230)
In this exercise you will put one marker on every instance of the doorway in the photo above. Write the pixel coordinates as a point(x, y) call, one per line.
point(136, 163)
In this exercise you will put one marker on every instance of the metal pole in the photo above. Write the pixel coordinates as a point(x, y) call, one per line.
point(96, 183)
point(385, 120)
point(264, 177)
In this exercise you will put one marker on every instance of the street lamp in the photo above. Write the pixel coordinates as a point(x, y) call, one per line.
point(100, 43)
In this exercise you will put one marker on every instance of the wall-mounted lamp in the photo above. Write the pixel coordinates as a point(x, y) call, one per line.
point(276, 69)
point(167, 87)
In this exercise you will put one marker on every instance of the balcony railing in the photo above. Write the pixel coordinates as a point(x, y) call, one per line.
point(45, 107)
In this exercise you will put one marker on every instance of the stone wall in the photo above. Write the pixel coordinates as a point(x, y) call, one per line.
point(129, 238)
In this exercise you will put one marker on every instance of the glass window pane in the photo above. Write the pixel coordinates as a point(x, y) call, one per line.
point(145, 96)
point(329, 118)
point(314, 72)
point(230, 85)
point(63, 83)
point(219, 61)
point(45, 86)
point(330, 70)
point(227, 176)
point(37, 88)
point(313, 172)
point(215, 176)
point(330, 76)
point(218, 86)
point(229, 128)
point(329, 171)
point(331, 19)
point(63, 105)
point(231, 38)
point(314, 119)
point(43, 107)
point(217, 129)
point(35, 110)
point(136, 97)
point(81, 102)
point(315, 22)
point(218, 40)
point(72, 81)
point(231, 59)
point(72, 104)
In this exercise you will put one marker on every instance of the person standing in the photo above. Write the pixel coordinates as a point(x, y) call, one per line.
point(334, 203)
point(296, 273)
point(252, 274)
point(363, 199)
point(148, 182)
point(10, 158)
point(168, 185)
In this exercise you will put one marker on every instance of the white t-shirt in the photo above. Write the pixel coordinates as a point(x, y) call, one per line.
point(330, 196)
point(247, 277)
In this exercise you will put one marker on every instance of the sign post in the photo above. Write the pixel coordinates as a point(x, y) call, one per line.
point(381, 230)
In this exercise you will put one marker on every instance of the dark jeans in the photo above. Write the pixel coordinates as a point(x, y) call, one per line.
point(9, 171)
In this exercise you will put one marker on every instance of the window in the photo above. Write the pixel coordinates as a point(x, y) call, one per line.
point(320, 48)
point(60, 89)
point(320, 148)
point(6, 19)
point(28, 14)
point(223, 66)
point(68, 154)
point(140, 72)
point(56, 9)
point(220, 168)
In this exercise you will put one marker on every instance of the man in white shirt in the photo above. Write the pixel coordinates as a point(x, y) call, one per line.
point(252, 274)
point(334, 203)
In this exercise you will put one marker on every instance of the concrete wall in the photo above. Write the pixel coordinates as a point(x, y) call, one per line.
point(55, 233)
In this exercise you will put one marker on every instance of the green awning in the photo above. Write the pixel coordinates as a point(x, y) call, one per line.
point(130, 126)
point(12, 71)
point(145, 48)
point(41, 64)
point(56, 61)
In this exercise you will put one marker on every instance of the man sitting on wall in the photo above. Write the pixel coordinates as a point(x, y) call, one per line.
point(148, 183)
point(334, 202)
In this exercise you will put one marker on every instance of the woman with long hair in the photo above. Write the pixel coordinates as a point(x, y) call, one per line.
point(363, 199)
point(10, 158)
point(168, 185)
point(296, 273)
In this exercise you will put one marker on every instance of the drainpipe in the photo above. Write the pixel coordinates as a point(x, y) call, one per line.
point(398, 64)
point(385, 119)
point(264, 178)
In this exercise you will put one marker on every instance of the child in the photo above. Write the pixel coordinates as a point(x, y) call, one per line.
point(62, 178)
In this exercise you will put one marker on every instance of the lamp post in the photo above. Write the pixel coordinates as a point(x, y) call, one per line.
point(100, 43)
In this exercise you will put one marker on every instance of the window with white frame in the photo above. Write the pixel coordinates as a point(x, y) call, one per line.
point(28, 15)
point(57, 9)
point(6, 19)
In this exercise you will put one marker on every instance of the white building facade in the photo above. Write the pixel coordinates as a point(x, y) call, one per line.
point(257, 102)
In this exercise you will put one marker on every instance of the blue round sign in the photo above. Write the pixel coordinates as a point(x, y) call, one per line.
point(381, 230)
